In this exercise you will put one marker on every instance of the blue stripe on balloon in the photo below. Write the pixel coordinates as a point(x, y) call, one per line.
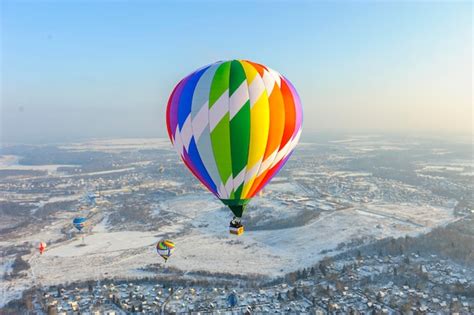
point(184, 111)
point(194, 156)
point(186, 97)
point(173, 106)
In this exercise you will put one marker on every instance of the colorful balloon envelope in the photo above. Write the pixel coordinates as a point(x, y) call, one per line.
point(165, 248)
point(42, 247)
point(79, 223)
point(232, 299)
point(235, 124)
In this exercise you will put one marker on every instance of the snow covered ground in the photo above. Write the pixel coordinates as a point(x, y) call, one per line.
point(7, 290)
point(204, 244)
point(11, 162)
point(119, 145)
point(459, 167)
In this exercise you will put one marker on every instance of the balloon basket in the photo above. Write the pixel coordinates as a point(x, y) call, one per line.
point(236, 231)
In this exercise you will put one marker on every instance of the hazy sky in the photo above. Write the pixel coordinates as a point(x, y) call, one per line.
point(75, 69)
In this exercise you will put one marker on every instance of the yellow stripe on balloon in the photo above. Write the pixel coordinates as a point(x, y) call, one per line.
point(169, 244)
point(250, 71)
point(277, 125)
point(259, 124)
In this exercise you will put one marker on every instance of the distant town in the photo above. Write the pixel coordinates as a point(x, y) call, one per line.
point(383, 284)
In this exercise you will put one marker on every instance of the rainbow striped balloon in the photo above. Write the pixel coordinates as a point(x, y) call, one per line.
point(165, 248)
point(235, 124)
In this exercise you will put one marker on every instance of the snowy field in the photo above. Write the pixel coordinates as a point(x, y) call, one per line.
point(459, 167)
point(204, 244)
point(11, 162)
point(119, 145)
point(370, 143)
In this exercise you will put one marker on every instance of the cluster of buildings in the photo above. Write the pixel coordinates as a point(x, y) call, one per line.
point(340, 189)
point(352, 285)
point(390, 284)
point(105, 299)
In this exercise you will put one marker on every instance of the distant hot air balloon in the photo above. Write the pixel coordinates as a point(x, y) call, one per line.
point(232, 299)
point(235, 124)
point(42, 247)
point(165, 248)
point(79, 223)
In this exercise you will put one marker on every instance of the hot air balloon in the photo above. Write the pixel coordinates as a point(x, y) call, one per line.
point(42, 247)
point(165, 248)
point(235, 124)
point(232, 299)
point(79, 223)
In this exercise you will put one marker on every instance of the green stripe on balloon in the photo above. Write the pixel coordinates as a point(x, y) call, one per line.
point(220, 83)
point(220, 135)
point(238, 191)
point(221, 147)
point(240, 123)
point(237, 76)
point(240, 138)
